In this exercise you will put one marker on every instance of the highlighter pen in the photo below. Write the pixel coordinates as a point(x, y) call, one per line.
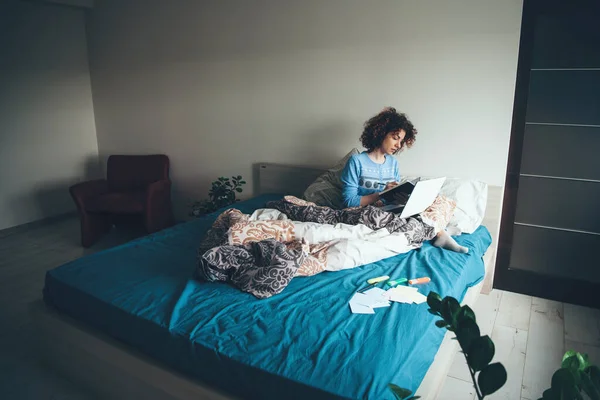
point(419, 280)
point(396, 282)
point(374, 281)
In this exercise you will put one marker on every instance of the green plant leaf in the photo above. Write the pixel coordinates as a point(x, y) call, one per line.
point(430, 311)
point(589, 388)
point(594, 374)
point(575, 360)
point(550, 394)
point(242, 182)
point(572, 361)
point(568, 354)
point(449, 310)
point(481, 351)
point(399, 392)
point(583, 361)
point(239, 190)
point(239, 177)
point(440, 323)
point(466, 333)
point(586, 360)
point(491, 378)
point(565, 381)
point(434, 301)
point(465, 313)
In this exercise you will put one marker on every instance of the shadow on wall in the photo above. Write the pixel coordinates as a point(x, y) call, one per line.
point(317, 149)
point(51, 198)
point(324, 145)
point(180, 201)
point(283, 179)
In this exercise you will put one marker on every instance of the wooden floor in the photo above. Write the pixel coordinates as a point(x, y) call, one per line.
point(530, 334)
point(25, 256)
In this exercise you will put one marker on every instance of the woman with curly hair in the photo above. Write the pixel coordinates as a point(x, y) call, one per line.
point(368, 173)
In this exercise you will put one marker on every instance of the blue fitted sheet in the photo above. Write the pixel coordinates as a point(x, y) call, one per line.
point(301, 343)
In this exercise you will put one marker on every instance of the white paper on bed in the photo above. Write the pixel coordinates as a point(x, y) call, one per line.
point(365, 303)
point(406, 294)
point(353, 246)
point(378, 297)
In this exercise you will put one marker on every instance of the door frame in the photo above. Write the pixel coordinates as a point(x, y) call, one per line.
point(522, 281)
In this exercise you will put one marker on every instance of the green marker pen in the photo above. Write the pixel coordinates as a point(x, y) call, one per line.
point(396, 282)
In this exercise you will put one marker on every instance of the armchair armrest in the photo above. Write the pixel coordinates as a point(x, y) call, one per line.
point(84, 190)
point(158, 205)
point(158, 188)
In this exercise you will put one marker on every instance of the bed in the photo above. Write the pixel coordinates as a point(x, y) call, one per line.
point(131, 322)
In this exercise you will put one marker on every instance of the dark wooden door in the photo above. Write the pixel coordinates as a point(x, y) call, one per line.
point(549, 242)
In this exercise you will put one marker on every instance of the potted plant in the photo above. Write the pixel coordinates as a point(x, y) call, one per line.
point(221, 194)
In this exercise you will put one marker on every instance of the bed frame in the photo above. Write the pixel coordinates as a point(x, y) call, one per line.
point(108, 369)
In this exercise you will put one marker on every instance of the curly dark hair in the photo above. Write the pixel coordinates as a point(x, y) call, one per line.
point(387, 121)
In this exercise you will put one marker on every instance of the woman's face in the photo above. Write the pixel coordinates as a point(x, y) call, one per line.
point(393, 142)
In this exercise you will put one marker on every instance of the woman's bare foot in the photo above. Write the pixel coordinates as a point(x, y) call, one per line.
point(446, 241)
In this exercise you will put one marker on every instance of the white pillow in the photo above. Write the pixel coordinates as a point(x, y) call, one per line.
point(471, 200)
point(326, 190)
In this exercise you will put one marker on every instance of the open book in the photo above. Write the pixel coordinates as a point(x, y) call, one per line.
point(399, 194)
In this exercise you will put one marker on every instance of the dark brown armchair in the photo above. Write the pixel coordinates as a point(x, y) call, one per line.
point(134, 185)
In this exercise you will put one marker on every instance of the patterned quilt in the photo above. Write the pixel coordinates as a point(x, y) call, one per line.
point(261, 253)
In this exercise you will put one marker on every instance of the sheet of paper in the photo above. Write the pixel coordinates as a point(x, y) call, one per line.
point(402, 291)
point(406, 294)
point(400, 298)
point(364, 303)
point(401, 288)
point(360, 309)
point(382, 304)
point(371, 300)
point(363, 299)
point(419, 298)
point(378, 296)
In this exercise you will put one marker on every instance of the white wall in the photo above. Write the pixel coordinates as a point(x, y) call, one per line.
point(47, 133)
point(221, 84)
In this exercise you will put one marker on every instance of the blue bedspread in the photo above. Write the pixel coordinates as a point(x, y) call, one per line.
point(302, 343)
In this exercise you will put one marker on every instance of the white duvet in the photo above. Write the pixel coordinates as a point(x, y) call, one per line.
point(352, 245)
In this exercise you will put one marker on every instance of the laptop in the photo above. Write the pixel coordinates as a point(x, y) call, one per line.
point(422, 196)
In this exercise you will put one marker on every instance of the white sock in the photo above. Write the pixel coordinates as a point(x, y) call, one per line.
point(446, 241)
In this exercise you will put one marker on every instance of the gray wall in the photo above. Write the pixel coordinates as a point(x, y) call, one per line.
point(47, 133)
point(221, 84)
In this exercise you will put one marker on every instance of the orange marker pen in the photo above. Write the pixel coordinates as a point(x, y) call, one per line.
point(419, 280)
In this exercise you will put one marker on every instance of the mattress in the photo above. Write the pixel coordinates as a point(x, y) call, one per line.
point(301, 343)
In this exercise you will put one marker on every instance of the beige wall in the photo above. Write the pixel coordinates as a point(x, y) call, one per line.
point(221, 84)
point(47, 132)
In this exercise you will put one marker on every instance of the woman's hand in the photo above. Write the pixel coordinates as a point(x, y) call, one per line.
point(391, 185)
